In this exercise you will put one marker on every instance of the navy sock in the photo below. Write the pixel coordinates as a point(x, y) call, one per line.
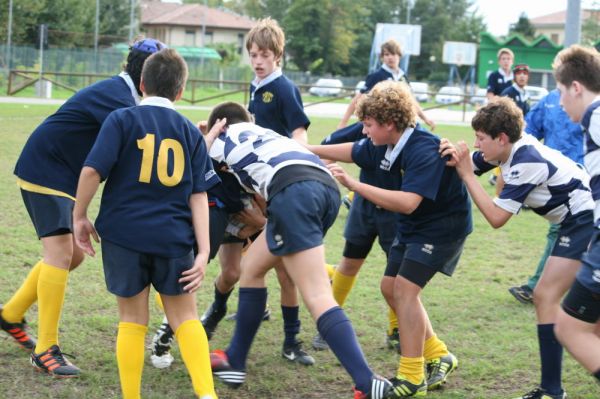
point(291, 324)
point(251, 305)
point(597, 375)
point(220, 302)
point(551, 358)
point(336, 329)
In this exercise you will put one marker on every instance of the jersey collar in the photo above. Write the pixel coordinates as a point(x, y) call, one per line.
point(395, 75)
point(506, 77)
point(522, 92)
point(392, 152)
point(125, 76)
point(158, 102)
point(260, 83)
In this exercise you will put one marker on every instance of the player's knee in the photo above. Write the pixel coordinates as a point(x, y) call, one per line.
point(387, 288)
point(230, 276)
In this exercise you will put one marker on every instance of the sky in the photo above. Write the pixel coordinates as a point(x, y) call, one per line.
point(499, 14)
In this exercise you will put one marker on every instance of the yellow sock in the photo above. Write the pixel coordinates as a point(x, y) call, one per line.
point(193, 346)
point(351, 195)
point(130, 358)
point(342, 285)
point(392, 320)
point(52, 284)
point(412, 369)
point(159, 302)
point(434, 348)
point(330, 270)
point(14, 310)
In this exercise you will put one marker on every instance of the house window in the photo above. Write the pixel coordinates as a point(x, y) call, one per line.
point(190, 37)
point(240, 43)
point(208, 38)
point(554, 38)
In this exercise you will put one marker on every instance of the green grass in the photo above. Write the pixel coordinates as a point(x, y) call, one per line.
point(492, 334)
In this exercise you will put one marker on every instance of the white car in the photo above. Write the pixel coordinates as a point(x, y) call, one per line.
point(448, 95)
point(479, 97)
point(326, 87)
point(420, 91)
point(359, 86)
point(535, 93)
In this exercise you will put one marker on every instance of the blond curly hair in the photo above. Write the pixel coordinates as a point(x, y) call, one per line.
point(388, 102)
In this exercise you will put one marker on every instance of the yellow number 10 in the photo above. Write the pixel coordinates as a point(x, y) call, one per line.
point(147, 145)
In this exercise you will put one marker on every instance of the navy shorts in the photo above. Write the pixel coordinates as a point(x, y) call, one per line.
point(436, 257)
point(299, 216)
point(366, 222)
point(128, 272)
point(589, 273)
point(574, 236)
point(582, 304)
point(52, 215)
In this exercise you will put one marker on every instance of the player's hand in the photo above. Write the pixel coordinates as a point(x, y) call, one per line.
point(429, 123)
point(194, 275)
point(464, 166)
point(449, 151)
point(82, 230)
point(340, 174)
point(251, 216)
point(203, 126)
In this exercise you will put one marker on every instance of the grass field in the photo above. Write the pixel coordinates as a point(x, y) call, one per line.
point(492, 334)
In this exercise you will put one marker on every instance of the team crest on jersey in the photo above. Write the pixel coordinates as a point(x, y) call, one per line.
point(385, 164)
point(267, 97)
point(564, 241)
point(427, 248)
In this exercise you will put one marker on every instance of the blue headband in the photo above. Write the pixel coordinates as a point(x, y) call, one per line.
point(148, 45)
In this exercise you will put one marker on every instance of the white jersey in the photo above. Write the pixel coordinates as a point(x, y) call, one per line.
point(254, 154)
point(591, 151)
point(548, 182)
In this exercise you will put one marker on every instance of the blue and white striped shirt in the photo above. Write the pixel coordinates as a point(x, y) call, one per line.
point(591, 150)
point(255, 154)
point(546, 181)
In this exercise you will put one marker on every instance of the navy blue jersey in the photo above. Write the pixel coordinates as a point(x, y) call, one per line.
point(227, 194)
point(444, 214)
point(498, 81)
point(154, 159)
point(352, 133)
point(379, 76)
point(278, 106)
point(54, 153)
point(519, 96)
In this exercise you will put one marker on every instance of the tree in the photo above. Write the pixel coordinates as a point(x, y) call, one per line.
point(523, 27)
point(590, 28)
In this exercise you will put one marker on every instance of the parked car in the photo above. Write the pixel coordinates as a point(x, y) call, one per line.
point(420, 91)
point(326, 87)
point(479, 97)
point(359, 86)
point(449, 94)
point(535, 93)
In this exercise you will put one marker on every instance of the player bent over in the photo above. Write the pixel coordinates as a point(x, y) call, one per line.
point(303, 202)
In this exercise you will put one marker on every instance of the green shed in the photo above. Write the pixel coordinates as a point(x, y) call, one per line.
point(538, 54)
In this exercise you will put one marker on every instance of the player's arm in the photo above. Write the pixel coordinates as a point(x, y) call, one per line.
point(89, 181)
point(496, 216)
point(392, 200)
point(299, 134)
point(211, 136)
point(335, 152)
point(349, 111)
point(424, 117)
point(193, 277)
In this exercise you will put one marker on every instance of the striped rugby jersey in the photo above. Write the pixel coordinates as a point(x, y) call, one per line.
point(591, 150)
point(255, 154)
point(546, 181)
